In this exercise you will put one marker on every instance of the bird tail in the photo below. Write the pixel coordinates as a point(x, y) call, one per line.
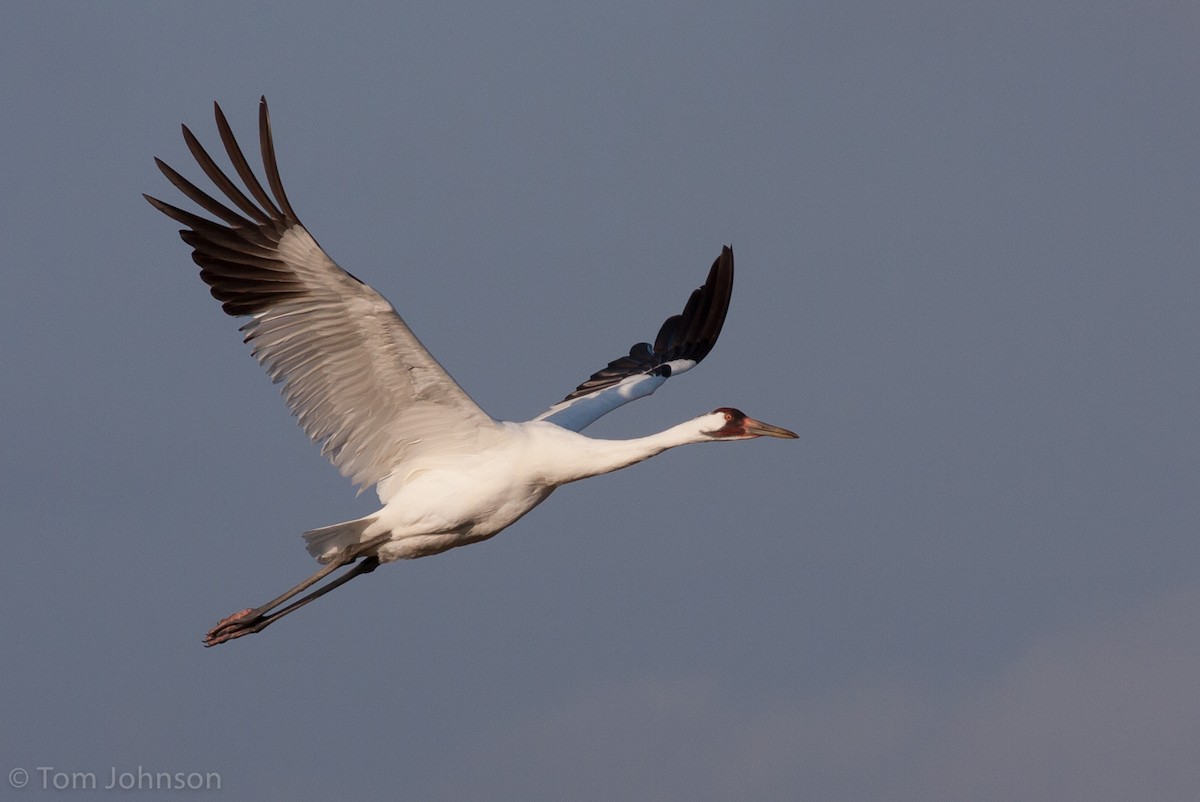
point(325, 543)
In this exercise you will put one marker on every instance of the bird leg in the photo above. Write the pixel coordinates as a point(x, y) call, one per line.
point(256, 619)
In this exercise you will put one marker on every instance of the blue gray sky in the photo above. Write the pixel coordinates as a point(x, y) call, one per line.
point(967, 276)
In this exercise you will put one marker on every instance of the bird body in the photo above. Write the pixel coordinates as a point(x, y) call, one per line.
point(463, 497)
point(382, 408)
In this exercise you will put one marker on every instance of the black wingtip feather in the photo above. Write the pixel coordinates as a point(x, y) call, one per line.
point(239, 256)
point(267, 143)
point(238, 160)
point(689, 335)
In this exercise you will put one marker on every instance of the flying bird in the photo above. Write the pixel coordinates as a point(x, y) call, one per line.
point(383, 410)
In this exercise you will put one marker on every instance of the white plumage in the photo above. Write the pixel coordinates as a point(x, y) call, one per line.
point(381, 407)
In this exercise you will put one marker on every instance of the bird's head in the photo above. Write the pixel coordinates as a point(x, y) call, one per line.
point(727, 423)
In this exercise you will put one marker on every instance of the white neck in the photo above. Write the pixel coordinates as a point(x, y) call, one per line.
point(577, 456)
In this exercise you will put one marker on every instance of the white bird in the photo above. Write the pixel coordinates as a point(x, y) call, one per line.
point(385, 412)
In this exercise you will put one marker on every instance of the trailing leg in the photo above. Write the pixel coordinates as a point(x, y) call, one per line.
point(259, 618)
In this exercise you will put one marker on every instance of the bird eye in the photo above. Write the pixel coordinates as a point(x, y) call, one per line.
point(728, 416)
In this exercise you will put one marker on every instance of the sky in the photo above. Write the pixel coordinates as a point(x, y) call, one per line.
point(967, 242)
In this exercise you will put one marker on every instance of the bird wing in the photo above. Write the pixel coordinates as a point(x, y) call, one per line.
point(359, 381)
point(682, 342)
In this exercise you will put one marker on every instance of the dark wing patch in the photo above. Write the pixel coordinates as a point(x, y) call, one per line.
point(688, 335)
point(239, 261)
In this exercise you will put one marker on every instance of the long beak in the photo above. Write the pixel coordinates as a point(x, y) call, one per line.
point(759, 429)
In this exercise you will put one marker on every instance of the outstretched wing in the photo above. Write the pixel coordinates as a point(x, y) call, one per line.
point(359, 381)
point(682, 342)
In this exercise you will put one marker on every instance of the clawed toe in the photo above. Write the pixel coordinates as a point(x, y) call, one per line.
point(234, 626)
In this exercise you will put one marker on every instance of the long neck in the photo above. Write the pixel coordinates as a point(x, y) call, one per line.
point(588, 456)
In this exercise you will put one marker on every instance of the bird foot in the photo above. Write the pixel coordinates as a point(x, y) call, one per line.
point(235, 626)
